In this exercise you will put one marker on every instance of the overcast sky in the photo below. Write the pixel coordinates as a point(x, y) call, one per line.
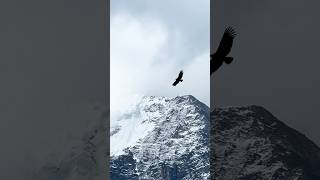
point(151, 41)
point(277, 59)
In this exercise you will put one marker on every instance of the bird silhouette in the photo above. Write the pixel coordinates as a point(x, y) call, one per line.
point(179, 79)
point(220, 56)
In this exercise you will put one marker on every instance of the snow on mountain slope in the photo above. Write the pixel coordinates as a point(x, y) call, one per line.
point(250, 143)
point(161, 138)
point(172, 143)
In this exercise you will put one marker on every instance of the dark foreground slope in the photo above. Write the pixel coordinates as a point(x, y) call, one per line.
point(250, 143)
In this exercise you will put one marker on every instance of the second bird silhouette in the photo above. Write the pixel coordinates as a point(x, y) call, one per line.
point(223, 50)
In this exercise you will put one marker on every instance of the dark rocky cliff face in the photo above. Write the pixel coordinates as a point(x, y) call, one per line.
point(123, 167)
point(250, 143)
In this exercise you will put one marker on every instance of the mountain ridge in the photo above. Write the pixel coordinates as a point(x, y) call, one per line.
point(245, 143)
point(176, 147)
point(250, 143)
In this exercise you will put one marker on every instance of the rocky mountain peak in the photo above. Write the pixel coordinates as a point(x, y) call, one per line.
point(250, 143)
point(171, 140)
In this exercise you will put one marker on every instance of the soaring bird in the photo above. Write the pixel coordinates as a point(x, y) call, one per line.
point(223, 50)
point(179, 79)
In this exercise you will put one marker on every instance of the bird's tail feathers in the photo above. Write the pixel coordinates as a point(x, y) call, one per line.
point(228, 60)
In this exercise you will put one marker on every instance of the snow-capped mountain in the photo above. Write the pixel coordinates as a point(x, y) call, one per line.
point(250, 143)
point(168, 138)
point(161, 138)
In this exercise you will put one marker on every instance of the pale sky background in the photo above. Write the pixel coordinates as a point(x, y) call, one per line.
point(150, 42)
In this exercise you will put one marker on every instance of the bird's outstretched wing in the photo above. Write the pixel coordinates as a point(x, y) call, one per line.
point(226, 42)
point(178, 78)
point(180, 75)
point(175, 83)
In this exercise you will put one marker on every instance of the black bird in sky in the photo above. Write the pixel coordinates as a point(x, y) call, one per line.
point(179, 79)
point(223, 50)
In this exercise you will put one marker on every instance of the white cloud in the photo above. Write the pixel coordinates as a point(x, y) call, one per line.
point(141, 63)
point(190, 17)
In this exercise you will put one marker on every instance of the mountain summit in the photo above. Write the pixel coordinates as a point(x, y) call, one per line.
point(250, 143)
point(168, 138)
point(161, 138)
